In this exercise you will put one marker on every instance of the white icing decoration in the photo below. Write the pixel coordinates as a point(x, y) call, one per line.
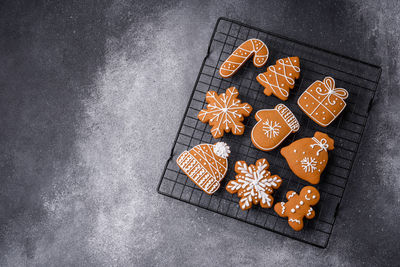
point(301, 202)
point(271, 128)
point(323, 145)
point(291, 195)
point(294, 220)
point(309, 211)
point(221, 149)
point(308, 164)
point(283, 207)
point(293, 210)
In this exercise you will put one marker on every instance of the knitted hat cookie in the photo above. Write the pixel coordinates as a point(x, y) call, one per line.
point(322, 102)
point(307, 157)
point(254, 184)
point(273, 126)
point(225, 112)
point(298, 206)
point(205, 165)
point(250, 47)
point(279, 78)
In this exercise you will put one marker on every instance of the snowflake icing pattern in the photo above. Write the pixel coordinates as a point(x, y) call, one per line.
point(225, 112)
point(271, 128)
point(308, 164)
point(254, 184)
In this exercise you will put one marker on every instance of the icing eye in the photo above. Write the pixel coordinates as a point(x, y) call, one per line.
point(314, 197)
point(301, 202)
point(309, 191)
point(292, 210)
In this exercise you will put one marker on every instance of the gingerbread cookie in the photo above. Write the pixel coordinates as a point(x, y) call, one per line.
point(307, 157)
point(279, 78)
point(241, 54)
point(205, 165)
point(273, 126)
point(225, 112)
point(298, 206)
point(322, 102)
point(254, 184)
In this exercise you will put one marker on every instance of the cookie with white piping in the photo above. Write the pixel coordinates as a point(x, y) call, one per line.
point(225, 112)
point(298, 206)
point(273, 126)
point(254, 184)
point(205, 165)
point(248, 48)
point(307, 157)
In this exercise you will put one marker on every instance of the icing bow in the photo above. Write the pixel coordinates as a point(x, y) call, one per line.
point(329, 83)
point(323, 144)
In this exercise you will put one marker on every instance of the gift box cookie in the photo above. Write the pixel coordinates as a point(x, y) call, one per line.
point(205, 165)
point(322, 102)
point(273, 126)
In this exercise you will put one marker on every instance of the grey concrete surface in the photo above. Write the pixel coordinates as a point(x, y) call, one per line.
point(91, 95)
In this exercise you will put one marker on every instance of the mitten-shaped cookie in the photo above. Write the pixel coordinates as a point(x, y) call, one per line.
point(307, 157)
point(225, 112)
point(254, 184)
point(298, 206)
point(250, 47)
point(279, 78)
point(205, 165)
point(273, 126)
point(322, 102)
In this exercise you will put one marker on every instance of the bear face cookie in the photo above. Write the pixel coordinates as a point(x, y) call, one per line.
point(307, 157)
point(254, 184)
point(250, 47)
point(225, 112)
point(273, 126)
point(322, 102)
point(279, 78)
point(205, 165)
point(298, 206)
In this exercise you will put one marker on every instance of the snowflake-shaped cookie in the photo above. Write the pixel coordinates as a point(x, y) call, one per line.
point(254, 184)
point(225, 112)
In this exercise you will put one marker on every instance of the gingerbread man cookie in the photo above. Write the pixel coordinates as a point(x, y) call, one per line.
point(279, 78)
point(205, 165)
point(322, 102)
point(241, 54)
point(254, 184)
point(225, 112)
point(273, 126)
point(307, 157)
point(298, 206)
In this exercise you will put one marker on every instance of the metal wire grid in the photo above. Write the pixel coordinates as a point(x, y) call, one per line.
point(359, 78)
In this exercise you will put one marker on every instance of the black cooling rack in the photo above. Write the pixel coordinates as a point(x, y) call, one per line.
point(359, 78)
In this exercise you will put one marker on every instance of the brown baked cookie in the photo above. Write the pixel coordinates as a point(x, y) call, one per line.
point(307, 157)
point(241, 54)
point(225, 112)
point(279, 78)
point(298, 206)
point(205, 165)
point(322, 102)
point(273, 126)
point(254, 184)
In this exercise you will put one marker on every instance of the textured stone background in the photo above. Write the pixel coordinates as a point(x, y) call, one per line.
point(91, 95)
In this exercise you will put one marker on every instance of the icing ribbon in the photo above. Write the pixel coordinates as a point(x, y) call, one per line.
point(330, 85)
point(323, 144)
